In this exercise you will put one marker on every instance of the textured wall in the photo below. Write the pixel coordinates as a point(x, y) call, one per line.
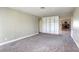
point(62, 19)
point(15, 24)
point(75, 26)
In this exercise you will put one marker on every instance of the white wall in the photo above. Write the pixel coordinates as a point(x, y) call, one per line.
point(15, 24)
point(75, 26)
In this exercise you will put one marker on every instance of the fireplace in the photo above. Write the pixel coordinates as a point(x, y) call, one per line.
point(65, 26)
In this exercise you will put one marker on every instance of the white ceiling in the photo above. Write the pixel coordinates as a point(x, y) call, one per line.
point(48, 11)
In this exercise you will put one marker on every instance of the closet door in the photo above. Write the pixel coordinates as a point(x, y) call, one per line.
point(52, 26)
point(44, 25)
point(56, 25)
point(48, 25)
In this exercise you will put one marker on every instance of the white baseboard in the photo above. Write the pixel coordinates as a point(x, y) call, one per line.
point(75, 41)
point(3, 43)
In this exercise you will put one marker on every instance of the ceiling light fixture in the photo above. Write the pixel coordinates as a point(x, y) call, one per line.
point(42, 7)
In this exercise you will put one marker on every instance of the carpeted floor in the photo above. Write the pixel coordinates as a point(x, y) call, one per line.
point(42, 43)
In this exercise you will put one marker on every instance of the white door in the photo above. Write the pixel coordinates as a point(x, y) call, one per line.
point(50, 24)
point(44, 25)
point(56, 24)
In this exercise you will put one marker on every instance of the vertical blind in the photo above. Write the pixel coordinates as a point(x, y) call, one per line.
point(50, 25)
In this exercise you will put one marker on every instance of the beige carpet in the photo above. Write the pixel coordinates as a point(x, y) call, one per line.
point(42, 43)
